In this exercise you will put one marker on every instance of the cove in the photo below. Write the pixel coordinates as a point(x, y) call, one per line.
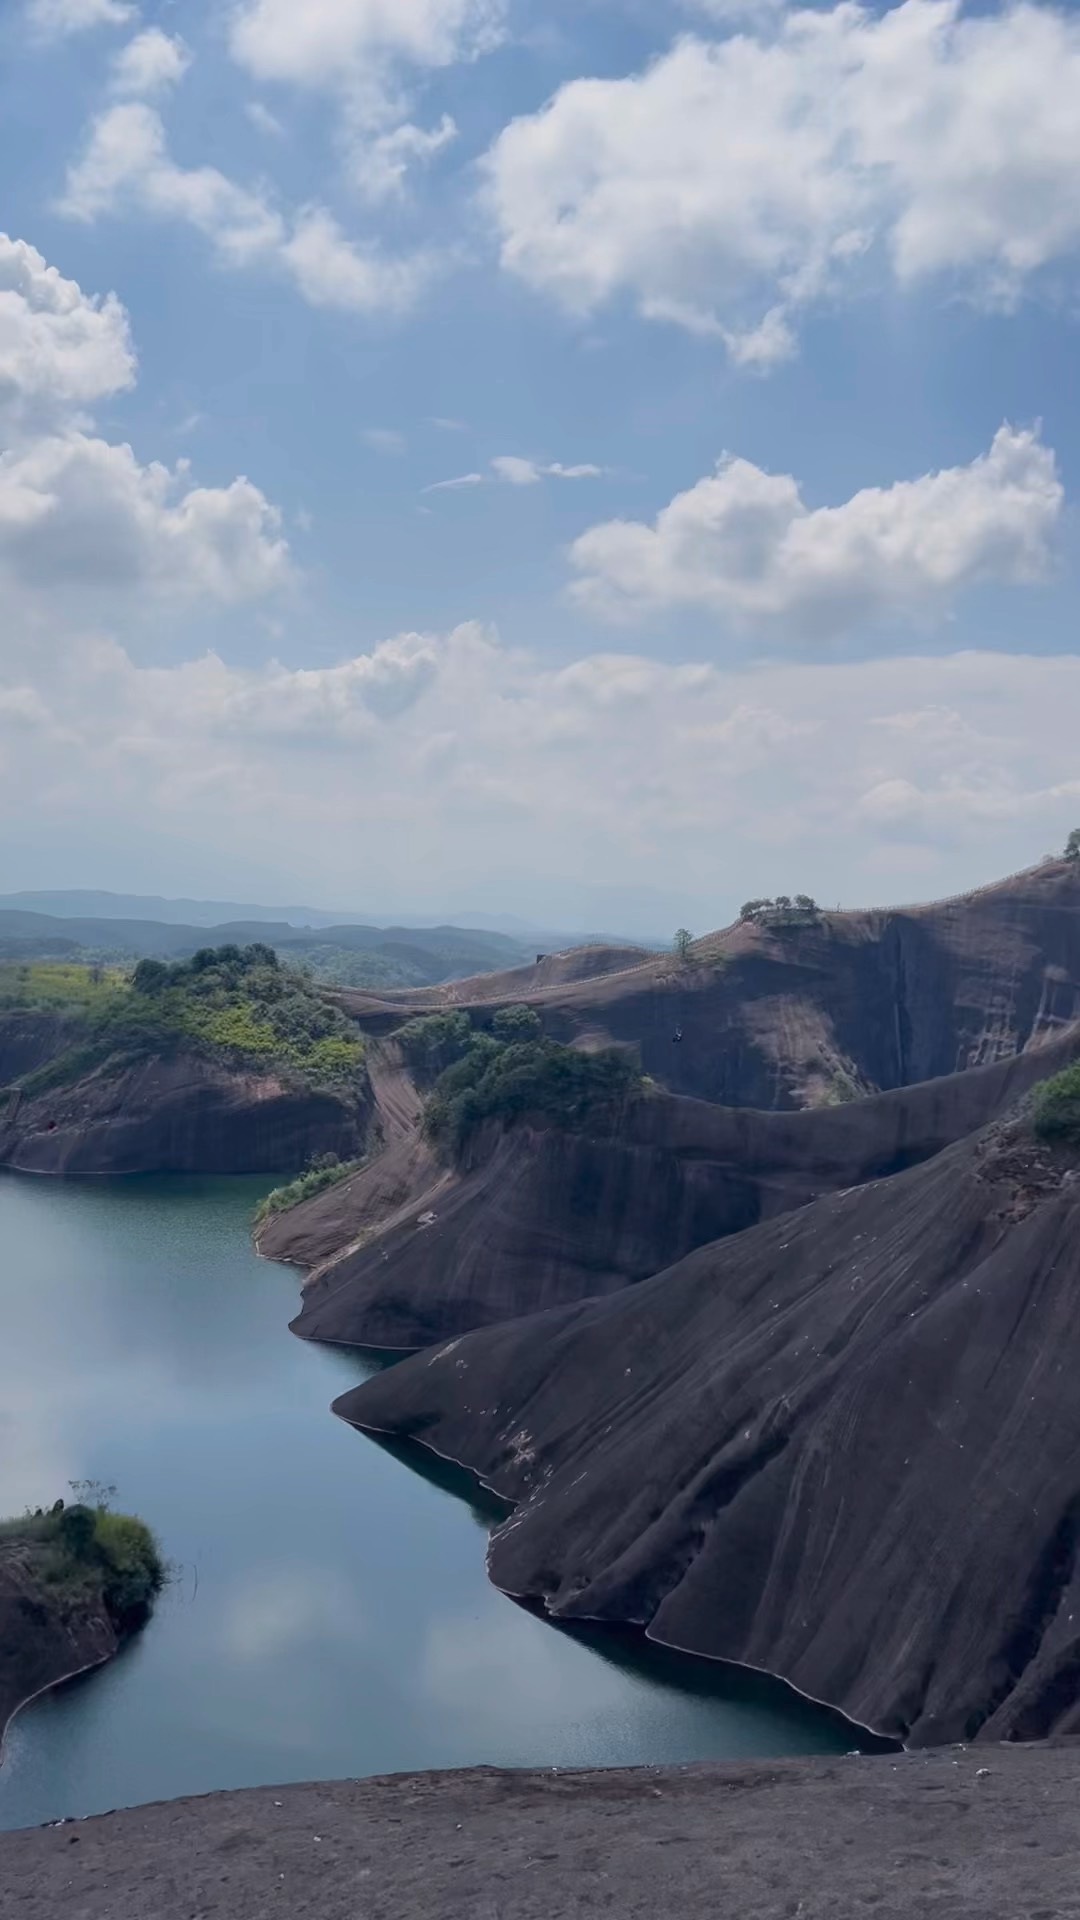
point(330, 1615)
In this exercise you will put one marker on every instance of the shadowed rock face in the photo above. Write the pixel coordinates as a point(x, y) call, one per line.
point(410, 1252)
point(854, 1002)
point(180, 1113)
point(843, 1446)
point(43, 1639)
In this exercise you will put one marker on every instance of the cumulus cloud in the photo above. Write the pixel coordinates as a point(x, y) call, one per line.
point(79, 512)
point(332, 271)
point(381, 165)
point(365, 53)
point(126, 165)
point(744, 544)
point(318, 43)
point(885, 779)
point(55, 19)
point(732, 182)
point(59, 348)
point(149, 64)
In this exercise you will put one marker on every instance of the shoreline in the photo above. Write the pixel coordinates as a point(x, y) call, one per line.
point(885, 1741)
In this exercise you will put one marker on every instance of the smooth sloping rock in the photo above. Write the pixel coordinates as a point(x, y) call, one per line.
point(843, 1446)
point(410, 1252)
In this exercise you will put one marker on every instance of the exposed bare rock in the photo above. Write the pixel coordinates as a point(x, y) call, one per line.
point(180, 1112)
point(957, 1836)
point(843, 1446)
point(411, 1251)
point(805, 1014)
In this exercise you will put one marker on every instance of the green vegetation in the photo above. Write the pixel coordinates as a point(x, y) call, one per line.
point(85, 1549)
point(325, 1171)
point(60, 987)
point(1072, 845)
point(1057, 1108)
point(785, 910)
point(513, 1070)
point(236, 1003)
point(682, 944)
point(434, 1042)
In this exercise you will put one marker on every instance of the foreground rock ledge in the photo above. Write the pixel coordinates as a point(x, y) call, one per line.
point(992, 1833)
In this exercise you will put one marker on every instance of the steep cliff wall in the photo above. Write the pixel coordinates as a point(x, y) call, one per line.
point(175, 1113)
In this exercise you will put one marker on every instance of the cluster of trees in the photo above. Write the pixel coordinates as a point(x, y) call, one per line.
point(239, 1003)
point(786, 906)
point(1057, 1107)
point(505, 1070)
point(85, 1545)
point(1072, 845)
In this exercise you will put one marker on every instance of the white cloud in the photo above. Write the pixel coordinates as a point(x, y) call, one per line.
point(76, 511)
point(59, 348)
point(733, 182)
point(744, 544)
point(385, 440)
point(262, 118)
point(864, 781)
point(333, 271)
point(126, 165)
point(150, 64)
point(365, 52)
point(324, 41)
point(381, 164)
point(514, 471)
point(54, 19)
point(517, 472)
point(459, 480)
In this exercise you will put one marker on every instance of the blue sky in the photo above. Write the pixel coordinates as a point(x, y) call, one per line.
point(750, 336)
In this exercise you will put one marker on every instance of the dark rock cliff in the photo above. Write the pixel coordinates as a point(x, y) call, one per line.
point(44, 1639)
point(843, 1446)
point(411, 1251)
point(803, 1015)
point(175, 1113)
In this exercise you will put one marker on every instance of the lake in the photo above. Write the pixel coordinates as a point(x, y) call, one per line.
point(329, 1614)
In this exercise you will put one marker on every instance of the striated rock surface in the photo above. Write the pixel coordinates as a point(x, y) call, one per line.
point(842, 1446)
point(411, 1251)
point(180, 1112)
point(802, 1015)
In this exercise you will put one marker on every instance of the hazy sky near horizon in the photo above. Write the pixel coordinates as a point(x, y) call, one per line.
point(595, 460)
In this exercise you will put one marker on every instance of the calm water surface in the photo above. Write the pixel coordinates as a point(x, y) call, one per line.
point(330, 1614)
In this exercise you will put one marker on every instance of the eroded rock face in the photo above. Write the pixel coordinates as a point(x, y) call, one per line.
point(801, 1016)
point(410, 1251)
point(43, 1639)
point(843, 1446)
point(176, 1113)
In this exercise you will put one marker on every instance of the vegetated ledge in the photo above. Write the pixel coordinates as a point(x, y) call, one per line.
point(228, 1063)
point(76, 1582)
point(982, 1834)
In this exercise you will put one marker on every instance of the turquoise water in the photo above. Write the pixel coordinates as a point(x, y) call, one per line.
point(329, 1614)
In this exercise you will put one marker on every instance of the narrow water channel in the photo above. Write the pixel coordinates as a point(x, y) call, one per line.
point(330, 1614)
